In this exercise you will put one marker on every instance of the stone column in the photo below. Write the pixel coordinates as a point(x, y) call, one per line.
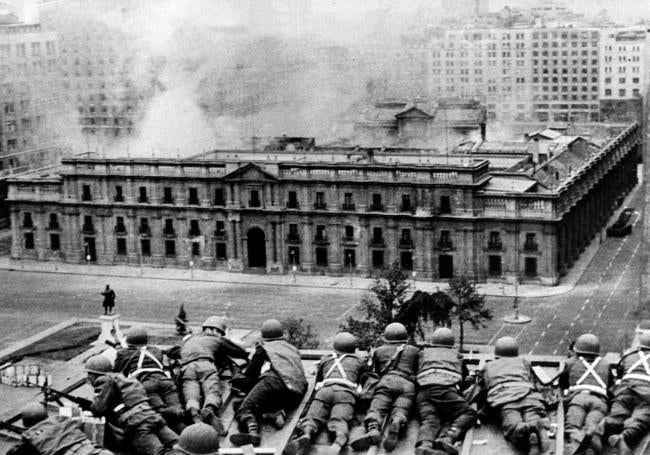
point(307, 251)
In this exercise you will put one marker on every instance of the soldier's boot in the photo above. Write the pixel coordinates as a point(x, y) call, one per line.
point(370, 438)
point(576, 441)
point(194, 415)
point(448, 442)
point(392, 435)
point(617, 441)
point(543, 425)
point(425, 448)
point(533, 442)
point(252, 436)
point(300, 444)
point(210, 415)
point(277, 419)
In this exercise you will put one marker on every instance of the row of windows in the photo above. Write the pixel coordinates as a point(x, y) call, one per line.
point(21, 49)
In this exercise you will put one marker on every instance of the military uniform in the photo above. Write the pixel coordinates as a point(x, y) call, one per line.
point(630, 411)
point(145, 363)
point(56, 436)
point(510, 391)
point(125, 404)
point(440, 372)
point(199, 355)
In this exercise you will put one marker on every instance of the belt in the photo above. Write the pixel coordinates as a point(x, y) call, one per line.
point(588, 388)
point(123, 413)
point(338, 381)
point(142, 371)
point(429, 371)
point(641, 377)
point(187, 362)
point(401, 374)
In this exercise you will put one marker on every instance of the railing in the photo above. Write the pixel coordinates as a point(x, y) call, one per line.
point(169, 233)
point(87, 229)
point(220, 234)
point(349, 206)
point(495, 245)
point(376, 207)
point(219, 202)
point(293, 238)
point(254, 203)
point(377, 242)
point(144, 230)
point(531, 246)
point(445, 244)
point(320, 206)
point(406, 243)
point(120, 230)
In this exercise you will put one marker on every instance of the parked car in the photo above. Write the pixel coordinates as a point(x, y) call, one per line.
point(623, 225)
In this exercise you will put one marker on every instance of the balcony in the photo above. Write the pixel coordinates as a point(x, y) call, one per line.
point(406, 243)
point(168, 201)
point(348, 207)
point(194, 232)
point(406, 208)
point(54, 226)
point(87, 229)
point(321, 239)
point(118, 198)
point(531, 246)
point(28, 225)
point(376, 207)
point(293, 205)
point(254, 203)
point(220, 234)
point(293, 238)
point(320, 206)
point(495, 245)
point(144, 230)
point(348, 239)
point(219, 202)
point(143, 200)
point(120, 230)
point(169, 233)
point(377, 242)
point(445, 244)
point(192, 201)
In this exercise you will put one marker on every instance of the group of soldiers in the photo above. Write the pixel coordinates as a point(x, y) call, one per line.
point(146, 409)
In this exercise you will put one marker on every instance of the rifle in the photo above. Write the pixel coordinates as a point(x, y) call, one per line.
point(50, 394)
point(6, 425)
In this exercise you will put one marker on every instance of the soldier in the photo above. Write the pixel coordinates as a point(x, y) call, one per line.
point(145, 363)
point(279, 382)
point(123, 402)
point(396, 363)
point(510, 392)
point(585, 380)
point(440, 373)
point(200, 355)
point(629, 417)
point(337, 376)
point(52, 436)
point(197, 439)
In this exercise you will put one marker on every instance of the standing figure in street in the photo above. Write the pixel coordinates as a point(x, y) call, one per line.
point(396, 363)
point(45, 435)
point(278, 382)
point(440, 374)
point(585, 380)
point(124, 403)
point(200, 355)
point(109, 300)
point(628, 421)
point(337, 379)
point(511, 393)
point(145, 363)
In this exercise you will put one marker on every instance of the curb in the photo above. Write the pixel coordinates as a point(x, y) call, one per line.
point(9, 351)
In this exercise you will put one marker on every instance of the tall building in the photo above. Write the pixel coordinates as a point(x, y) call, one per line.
point(336, 210)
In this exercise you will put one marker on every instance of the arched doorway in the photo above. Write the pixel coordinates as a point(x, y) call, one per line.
point(256, 248)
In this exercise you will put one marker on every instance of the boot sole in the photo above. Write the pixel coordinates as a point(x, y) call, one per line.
point(242, 439)
point(363, 443)
point(445, 447)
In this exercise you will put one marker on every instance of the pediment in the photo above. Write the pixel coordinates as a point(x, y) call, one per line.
point(252, 173)
point(413, 112)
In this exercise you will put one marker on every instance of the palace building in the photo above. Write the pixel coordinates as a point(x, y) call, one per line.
point(525, 215)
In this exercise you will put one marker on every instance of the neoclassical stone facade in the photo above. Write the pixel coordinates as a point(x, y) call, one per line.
point(334, 211)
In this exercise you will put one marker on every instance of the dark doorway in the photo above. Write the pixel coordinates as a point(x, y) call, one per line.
point(89, 246)
point(256, 248)
point(530, 267)
point(406, 260)
point(445, 266)
point(494, 265)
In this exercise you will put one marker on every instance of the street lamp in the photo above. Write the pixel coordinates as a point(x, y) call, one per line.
point(192, 268)
point(349, 256)
point(292, 253)
point(516, 318)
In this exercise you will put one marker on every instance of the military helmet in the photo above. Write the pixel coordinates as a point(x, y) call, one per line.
point(272, 330)
point(587, 344)
point(216, 322)
point(198, 439)
point(395, 332)
point(644, 340)
point(506, 347)
point(33, 413)
point(98, 364)
point(442, 337)
point(137, 336)
point(345, 342)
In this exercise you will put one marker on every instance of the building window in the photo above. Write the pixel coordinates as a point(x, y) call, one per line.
point(55, 242)
point(170, 248)
point(293, 233)
point(119, 225)
point(254, 199)
point(494, 243)
point(406, 260)
point(531, 243)
point(27, 220)
point(218, 197)
point(445, 240)
point(294, 255)
point(54, 221)
point(320, 201)
point(196, 249)
point(349, 232)
point(29, 240)
point(145, 247)
point(445, 205)
point(194, 197)
point(347, 202)
point(168, 230)
point(85, 193)
point(406, 203)
point(376, 205)
point(405, 240)
point(377, 259)
point(621, 92)
point(194, 228)
point(292, 202)
point(530, 267)
point(119, 196)
point(121, 246)
point(142, 195)
point(220, 251)
point(321, 233)
point(88, 227)
point(321, 257)
point(349, 258)
point(445, 266)
point(377, 236)
point(144, 227)
point(221, 229)
point(494, 265)
point(168, 197)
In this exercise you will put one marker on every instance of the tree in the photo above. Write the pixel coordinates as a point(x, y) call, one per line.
point(389, 290)
point(299, 333)
point(468, 307)
point(425, 307)
point(181, 321)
